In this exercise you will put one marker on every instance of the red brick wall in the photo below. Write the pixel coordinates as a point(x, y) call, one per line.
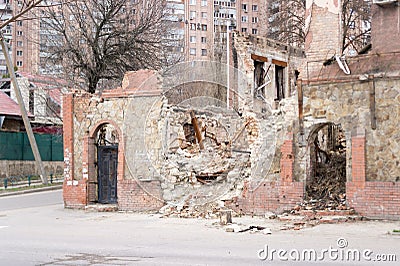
point(131, 196)
point(258, 198)
point(375, 199)
point(372, 199)
point(358, 159)
point(385, 33)
point(268, 196)
point(145, 196)
point(287, 161)
point(74, 194)
point(322, 38)
point(68, 135)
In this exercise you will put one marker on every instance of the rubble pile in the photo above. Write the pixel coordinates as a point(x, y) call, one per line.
point(326, 187)
point(210, 210)
point(323, 205)
point(207, 155)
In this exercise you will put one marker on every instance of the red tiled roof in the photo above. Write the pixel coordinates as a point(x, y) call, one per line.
point(9, 107)
point(55, 94)
point(142, 82)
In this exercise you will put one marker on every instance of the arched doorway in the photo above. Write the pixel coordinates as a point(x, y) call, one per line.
point(326, 178)
point(107, 163)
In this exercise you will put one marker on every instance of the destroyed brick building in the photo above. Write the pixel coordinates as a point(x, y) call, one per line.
point(300, 124)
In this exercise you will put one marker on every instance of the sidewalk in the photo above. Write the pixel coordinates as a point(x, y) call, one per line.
point(26, 189)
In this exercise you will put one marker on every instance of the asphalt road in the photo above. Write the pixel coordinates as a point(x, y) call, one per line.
point(39, 231)
point(31, 200)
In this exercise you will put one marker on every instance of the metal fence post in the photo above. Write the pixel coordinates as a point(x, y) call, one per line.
point(29, 180)
point(5, 183)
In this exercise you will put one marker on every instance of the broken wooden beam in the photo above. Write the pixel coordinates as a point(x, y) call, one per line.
point(372, 103)
point(300, 100)
point(197, 129)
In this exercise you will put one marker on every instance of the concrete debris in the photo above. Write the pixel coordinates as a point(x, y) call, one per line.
point(252, 228)
point(308, 218)
point(210, 210)
point(225, 217)
point(267, 231)
point(270, 215)
point(323, 205)
point(233, 228)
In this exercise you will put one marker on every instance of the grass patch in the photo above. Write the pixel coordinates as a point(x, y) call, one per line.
point(396, 230)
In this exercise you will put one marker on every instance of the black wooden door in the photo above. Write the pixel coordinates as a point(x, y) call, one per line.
point(107, 173)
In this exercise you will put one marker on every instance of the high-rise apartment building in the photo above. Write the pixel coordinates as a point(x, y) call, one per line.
point(174, 37)
point(207, 22)
point(198, 29)
point(26, 39)
point(252, 17)
point(6, 13)
point(25, 46)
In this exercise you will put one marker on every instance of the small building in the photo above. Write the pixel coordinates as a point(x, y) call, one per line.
point(278, 127)
point(16, 157)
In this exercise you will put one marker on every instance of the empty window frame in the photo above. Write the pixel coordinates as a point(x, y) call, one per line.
point(279, 82)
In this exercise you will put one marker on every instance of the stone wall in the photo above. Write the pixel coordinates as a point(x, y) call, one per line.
point(349, 104)
point(139, 157)
point(25, 168)
point(366, 106)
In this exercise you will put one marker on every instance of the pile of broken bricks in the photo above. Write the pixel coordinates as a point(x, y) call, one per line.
point(207, 211)
point(314, 212)
point(304, 215)
point(298, 218)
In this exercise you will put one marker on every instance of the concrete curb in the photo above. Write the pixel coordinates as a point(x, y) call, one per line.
point(28, 191)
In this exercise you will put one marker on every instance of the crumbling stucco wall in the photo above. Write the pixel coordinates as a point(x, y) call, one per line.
point(276, 116)
point(140, 157)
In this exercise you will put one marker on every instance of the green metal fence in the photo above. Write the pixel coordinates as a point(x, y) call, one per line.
point(16, 146)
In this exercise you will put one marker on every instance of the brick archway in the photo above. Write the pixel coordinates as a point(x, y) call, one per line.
point(89, 159)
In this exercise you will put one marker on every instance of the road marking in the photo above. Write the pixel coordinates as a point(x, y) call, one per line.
point(3, 226)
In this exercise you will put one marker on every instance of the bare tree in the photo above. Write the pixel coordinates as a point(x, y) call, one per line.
point(96, 41)
point(356, 25)
point(286, 21)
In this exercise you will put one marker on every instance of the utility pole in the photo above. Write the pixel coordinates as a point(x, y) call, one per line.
point(27, 123)
point(227, 65)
